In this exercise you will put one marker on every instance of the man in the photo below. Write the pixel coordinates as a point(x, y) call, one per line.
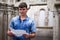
point(23, 22)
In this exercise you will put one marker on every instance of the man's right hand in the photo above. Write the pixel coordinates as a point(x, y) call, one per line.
point(9, 33)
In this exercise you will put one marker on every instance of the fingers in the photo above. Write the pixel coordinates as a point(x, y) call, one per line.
point(26, 35)
point(9, 33)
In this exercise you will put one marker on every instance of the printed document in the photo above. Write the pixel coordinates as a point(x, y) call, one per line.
point(18, 32)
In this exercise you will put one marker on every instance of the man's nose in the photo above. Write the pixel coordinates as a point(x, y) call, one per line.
point(22, 10)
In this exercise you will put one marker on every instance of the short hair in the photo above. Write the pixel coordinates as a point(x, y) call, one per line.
point(22, 5)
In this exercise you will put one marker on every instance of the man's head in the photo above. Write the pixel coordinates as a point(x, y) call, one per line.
point(23, 8)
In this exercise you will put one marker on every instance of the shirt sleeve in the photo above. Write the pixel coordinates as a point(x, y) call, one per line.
point(11, 24)
point(33, 26)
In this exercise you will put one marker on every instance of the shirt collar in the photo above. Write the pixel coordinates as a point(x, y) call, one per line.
point(25, 18)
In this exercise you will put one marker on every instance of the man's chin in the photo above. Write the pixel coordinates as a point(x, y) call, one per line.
point(22, 14)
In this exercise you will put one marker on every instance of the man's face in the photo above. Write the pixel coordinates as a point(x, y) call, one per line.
point(23, 11)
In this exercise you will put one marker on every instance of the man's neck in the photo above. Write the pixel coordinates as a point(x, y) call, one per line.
point(22, 17)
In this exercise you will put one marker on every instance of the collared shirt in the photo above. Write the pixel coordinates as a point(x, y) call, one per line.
point(27, 24)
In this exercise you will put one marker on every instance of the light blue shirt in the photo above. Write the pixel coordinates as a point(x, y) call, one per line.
point(27, 24)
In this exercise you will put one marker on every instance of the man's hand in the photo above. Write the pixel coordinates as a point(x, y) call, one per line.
point(32, 35)
point(9, 33)
point(26, 35)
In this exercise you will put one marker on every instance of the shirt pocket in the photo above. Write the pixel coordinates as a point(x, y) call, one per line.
point(16, 25)
point(27, 25)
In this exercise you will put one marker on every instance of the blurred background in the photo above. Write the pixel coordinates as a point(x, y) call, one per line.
point(46, 14)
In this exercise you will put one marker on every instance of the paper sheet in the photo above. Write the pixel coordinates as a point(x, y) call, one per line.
point(18, 32)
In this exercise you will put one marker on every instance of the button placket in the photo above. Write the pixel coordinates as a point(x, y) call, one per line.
point(21, 24)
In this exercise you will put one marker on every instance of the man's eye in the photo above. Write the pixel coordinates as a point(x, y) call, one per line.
point(23, 9)
point(20, 9)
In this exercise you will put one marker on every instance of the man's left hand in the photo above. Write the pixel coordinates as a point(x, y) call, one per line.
point(26, 35)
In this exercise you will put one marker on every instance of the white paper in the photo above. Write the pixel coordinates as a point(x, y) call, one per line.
point(18, 32)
